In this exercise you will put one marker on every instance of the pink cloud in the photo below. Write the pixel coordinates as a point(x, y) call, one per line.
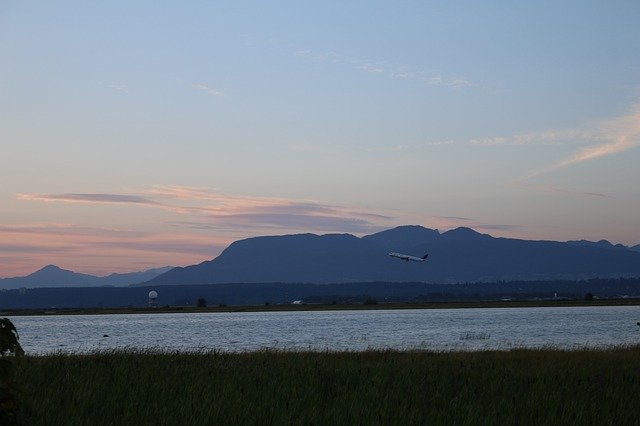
point(89, 198)
point(196, 226)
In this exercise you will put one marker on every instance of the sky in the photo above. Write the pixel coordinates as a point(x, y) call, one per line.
point(143, 134)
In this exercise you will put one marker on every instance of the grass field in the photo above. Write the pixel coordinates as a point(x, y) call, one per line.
point(388, 387)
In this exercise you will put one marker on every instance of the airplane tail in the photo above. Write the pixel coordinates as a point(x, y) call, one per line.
point(425, 256)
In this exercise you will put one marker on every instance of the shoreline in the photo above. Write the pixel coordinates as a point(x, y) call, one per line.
point(323, 307)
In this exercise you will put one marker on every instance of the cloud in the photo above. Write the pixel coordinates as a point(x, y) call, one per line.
point(294, 222)
point(228, 211)
point(371, 68)
point(556, 189)
point(409, 147)
point(65, 229)
point(383, 68)
point(182, 192)
point(164, 246)
point(612, 137)
point(324, 57)
point(404, 72)
point(553, 137)
point(453, 82)
point(118, 88)
point(497, 227)
point(209, 90)
point(454, 218)
point(371, 215)
point(89, 198)
point(33, 248)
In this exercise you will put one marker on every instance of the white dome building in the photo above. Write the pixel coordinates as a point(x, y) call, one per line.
point(153, 299)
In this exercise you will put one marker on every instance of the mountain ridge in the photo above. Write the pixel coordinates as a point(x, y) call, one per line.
point(456, 256)
point(54, 276)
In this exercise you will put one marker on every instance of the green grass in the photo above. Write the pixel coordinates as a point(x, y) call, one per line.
point(376, 387)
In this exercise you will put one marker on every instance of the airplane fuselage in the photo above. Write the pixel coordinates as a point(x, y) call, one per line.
point(408, 258)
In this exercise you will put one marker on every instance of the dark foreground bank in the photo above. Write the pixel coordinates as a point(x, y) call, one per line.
point(516, 387)
point(481, 304)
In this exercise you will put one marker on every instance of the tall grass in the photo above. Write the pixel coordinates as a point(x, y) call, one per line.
point(517, 387)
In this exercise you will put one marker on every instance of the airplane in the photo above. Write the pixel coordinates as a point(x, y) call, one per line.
point(407, 258)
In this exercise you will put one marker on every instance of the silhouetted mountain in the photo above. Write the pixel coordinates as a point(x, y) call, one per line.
point(125, 279)
point(635, 248)
point(403, 236)
point(459, 255)
point(290, 258)
point(53, 276)
point(601, 244)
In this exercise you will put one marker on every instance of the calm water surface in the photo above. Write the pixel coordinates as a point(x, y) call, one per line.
point(427, 329)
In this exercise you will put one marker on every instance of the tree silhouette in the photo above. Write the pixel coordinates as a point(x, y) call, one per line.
point(10, 350)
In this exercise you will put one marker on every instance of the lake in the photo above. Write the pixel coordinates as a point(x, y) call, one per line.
point(421, 329)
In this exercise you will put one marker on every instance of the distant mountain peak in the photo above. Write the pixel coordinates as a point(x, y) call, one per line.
point(462, 231)
point(402, 237)
point(54, 276)
point(414, 228)
point(50, 268)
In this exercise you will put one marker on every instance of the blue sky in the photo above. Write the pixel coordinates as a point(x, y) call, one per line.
point(139, 135)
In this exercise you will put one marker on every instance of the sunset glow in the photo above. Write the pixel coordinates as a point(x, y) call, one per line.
point(143, 135)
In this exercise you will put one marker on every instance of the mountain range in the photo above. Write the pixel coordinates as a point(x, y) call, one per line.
point(456, 256)
point(53, 276)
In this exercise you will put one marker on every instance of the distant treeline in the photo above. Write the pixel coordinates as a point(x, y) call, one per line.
point(285, 293)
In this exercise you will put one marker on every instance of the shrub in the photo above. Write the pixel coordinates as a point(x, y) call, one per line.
point(10, 349)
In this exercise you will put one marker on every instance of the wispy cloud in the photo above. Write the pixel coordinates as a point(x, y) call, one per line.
point(409, 147)
point(613, 137)
point(448, 81)
point(207, 250)
point(295, 216)
point(550, 138)
point(496, 227)
point(371, 68)
point(208, 89)
point(457, 218)
point(553, 137)
point(68, 229)
point(115, 87)
point(564, 191)
point(287, 222)
point(383, 68)
point(604, 139)
point(118, 88)
point(594, 141)
point(32, 248)
point(89, 198)
point(326, 57)
point(232, 210)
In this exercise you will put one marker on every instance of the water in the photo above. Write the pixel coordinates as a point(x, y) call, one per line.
point(423, 329)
